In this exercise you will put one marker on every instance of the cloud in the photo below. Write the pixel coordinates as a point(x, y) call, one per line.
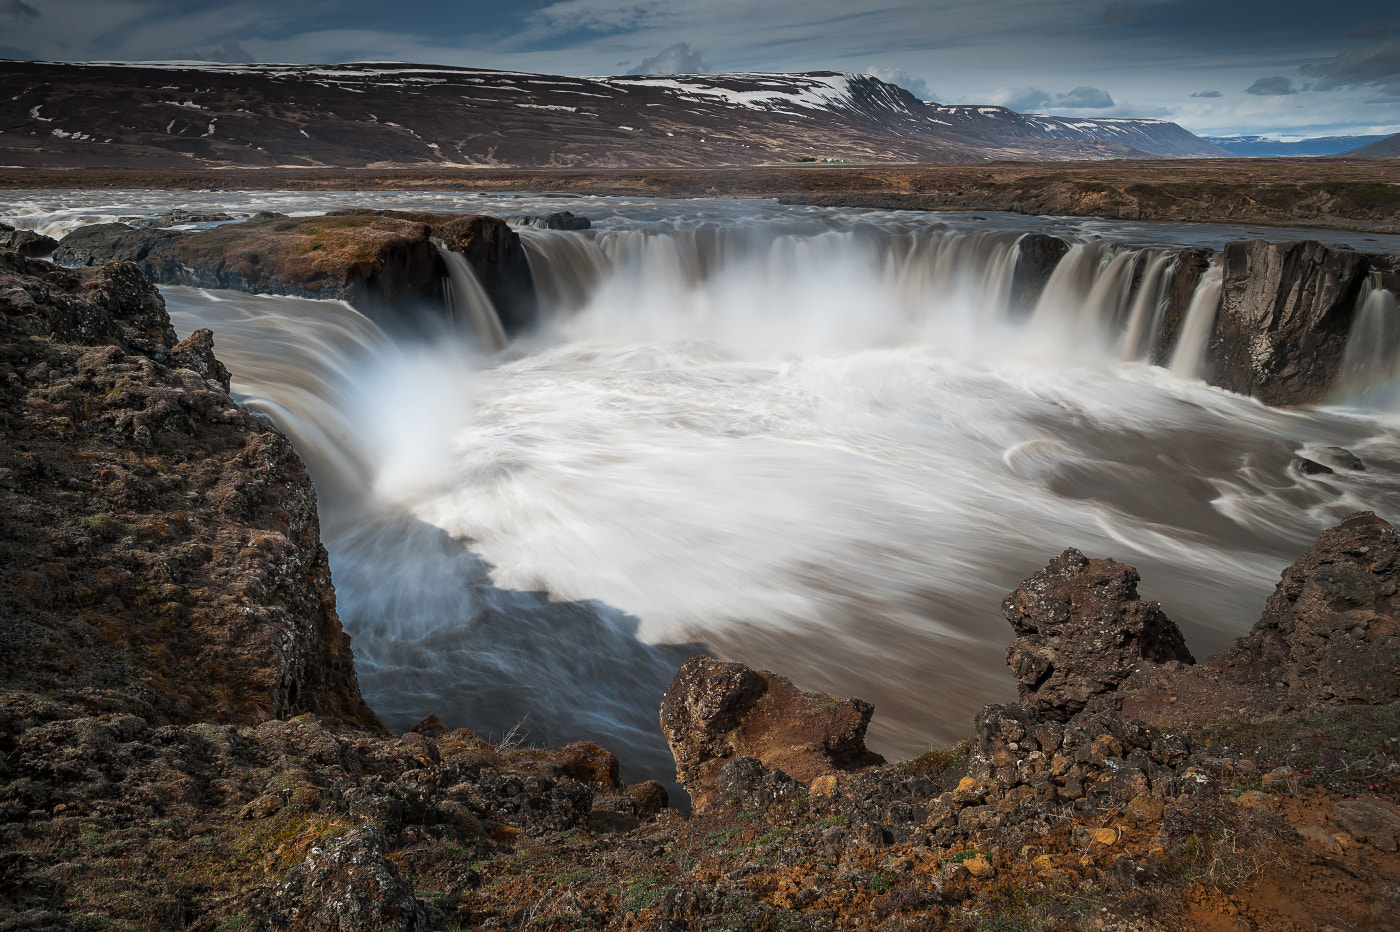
point(1211, 94)
point(1276, 86)
point(1371, 32)
point(16, 14)
point(1084, 98)
point(1035, 100)
point(1119, 11)
point(678, 59)
point(1377, 66)
point(916, 86)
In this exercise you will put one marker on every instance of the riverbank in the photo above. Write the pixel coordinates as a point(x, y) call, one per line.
point(1332, 193)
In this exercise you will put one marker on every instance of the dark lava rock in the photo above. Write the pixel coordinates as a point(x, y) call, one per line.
point(1332, 626)
point(564, 220)
point(1342, 458)
point(26, 242)
point(1037, 256)
point(715, 711)
point(100, 243)
point(1081, 630)
point(1285, 314)
point(744, 782)
point(160, 548)
point(1309, 468)
point(347, 885)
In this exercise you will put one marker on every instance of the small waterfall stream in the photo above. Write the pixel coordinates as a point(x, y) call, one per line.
point(468, 302)
point(1189, 357)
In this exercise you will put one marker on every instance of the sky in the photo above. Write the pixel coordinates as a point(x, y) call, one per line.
point(1286, 68)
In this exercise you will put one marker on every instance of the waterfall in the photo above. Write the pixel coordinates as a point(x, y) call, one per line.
point(1372, 355)
point(567, 267)
point(1189, 358)
point(470, 306)
point(1145, 317)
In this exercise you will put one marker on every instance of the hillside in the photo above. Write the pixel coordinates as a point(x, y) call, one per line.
point(200, 115)
point(1387, 148)
point(1263, 147)
point(1158, 137)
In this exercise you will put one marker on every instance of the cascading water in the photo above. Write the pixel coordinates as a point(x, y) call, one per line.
point(1372, 361)
point(468, 302)
point(1189, 357)
point(827, 445)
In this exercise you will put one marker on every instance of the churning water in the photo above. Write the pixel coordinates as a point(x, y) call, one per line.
point(823, 442)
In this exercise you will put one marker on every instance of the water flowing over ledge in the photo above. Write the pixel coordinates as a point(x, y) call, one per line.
point(819, 441)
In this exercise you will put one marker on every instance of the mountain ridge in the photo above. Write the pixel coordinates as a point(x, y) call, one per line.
point(382, 114)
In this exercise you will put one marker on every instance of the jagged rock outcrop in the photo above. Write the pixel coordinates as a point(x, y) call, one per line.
point(159, 546)
point(26, 242)
point(1331, 629)
point(1081, 630)
point(1285, 312)
point(495, 252)
point(715, 711)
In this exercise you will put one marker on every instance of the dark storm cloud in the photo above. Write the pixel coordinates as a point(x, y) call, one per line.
point(16, 14)
point(1377, 66)
point(1275, 86)
point(678, 59)
point(1211, 94)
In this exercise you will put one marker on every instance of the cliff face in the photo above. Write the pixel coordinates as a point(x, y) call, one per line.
point(1285, 312)
point(159, 546)
point(385, 263)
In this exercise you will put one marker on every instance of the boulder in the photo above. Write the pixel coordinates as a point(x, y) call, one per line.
point(26, 242)
point(347, 885)
point(1332, 626)
point(100, 243)
point(1081, 630)
point(1285, 313)
point(715, 711)
point(179, 217)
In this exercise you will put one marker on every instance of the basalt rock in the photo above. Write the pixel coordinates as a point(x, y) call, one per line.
point(159, 546)
point(26, 242)
point(1285, 312)
point(348, 884)
point(1081, 630)
point(1332, 626)
point(1037, 254)
point(714, 712)
point(100, 243)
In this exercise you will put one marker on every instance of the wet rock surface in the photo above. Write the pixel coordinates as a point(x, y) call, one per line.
point(715, 711)
point(1081, 630)
point(1285, 312)
point(26, 242)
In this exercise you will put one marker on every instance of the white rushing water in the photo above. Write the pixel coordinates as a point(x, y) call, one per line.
point(827, 443)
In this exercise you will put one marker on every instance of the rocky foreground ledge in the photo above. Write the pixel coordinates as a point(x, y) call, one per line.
point(183, 744)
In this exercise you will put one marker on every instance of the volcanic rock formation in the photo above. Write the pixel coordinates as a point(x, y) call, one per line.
point(1081, 631)
point(714, 712)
